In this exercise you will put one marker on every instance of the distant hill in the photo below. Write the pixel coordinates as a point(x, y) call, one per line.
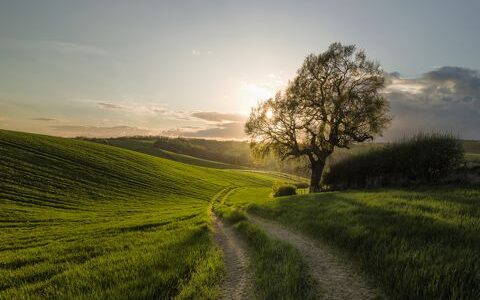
point(236, 154)
point(147, 145)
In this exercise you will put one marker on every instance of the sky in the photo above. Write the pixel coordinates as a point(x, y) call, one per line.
point(195, 68)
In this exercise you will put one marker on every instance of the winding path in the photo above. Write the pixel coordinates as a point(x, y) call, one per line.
point(336, 278)
point(237, 283)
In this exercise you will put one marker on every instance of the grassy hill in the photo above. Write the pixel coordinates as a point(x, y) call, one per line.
point(147, 145)
point(83, 220)
point(90, 221)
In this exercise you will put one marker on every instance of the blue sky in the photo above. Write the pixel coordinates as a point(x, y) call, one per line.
point(194, 68)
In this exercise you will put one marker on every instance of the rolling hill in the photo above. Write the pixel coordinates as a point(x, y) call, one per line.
point(89, 221)
point(147, 145)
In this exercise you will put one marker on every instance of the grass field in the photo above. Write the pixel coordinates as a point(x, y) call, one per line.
point(279, 271)
point(146, 145)
point(88, 221)
point(421, 244)
point(82, 220)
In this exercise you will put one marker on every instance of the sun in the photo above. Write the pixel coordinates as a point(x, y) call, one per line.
point(251, 94)
point(269, 114)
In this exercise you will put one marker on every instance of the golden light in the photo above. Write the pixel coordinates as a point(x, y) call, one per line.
point(269, 114)
point(251, 94)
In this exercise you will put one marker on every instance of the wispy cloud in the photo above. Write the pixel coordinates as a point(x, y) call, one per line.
point(99, 131)
point(196, 52)
point(54, 46)
point(108, 105)
point(217, 126)
point(219, 117)
point(223, 131)
point(132, 107)
point(43, 119)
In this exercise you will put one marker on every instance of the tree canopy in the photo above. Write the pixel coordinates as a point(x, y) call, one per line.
point(334, 100)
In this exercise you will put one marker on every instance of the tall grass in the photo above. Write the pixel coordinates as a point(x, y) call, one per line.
point(279, 271)
point(424, 158)
point(418, 244)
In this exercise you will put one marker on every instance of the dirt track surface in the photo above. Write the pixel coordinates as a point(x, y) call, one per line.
point(336, 278)
point(237, 282)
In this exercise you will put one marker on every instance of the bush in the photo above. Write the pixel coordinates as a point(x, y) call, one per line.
point(424, 158)
point(302, 185)
point(283, 189)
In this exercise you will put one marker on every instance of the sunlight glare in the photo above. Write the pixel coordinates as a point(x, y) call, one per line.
point(269, 114)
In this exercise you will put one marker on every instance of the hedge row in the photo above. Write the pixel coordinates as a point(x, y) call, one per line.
point(424, 158)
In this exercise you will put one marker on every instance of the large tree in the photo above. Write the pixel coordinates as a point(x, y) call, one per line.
point(334, 100)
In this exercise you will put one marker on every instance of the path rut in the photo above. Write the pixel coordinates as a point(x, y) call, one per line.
point(336, 278)
point(237, 283)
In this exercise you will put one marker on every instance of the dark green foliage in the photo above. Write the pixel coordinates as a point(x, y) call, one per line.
point(283, 189)
point(424, 158)
point(302, 185)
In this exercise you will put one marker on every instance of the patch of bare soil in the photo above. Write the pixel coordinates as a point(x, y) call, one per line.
point(237, 283)
point(336, 278)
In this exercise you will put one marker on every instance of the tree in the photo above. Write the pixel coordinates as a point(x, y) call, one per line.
point(335, 100)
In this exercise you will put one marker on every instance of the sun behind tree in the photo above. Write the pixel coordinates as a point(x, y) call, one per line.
point(334, 100)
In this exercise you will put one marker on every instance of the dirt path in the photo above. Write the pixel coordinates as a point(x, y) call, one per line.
point(237, 282)
point(336, 279)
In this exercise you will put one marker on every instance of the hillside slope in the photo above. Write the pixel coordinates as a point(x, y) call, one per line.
point(84, 220)
point(146, 145)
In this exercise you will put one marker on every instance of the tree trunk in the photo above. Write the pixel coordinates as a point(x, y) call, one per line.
point(317, 171)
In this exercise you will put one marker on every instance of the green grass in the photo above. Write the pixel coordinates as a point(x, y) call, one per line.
point(472, 157)
point(146, 145)
point(422, 244)
point(80, 220)
point(278, 268)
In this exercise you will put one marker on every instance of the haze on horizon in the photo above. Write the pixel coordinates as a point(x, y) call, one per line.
point(194, 68)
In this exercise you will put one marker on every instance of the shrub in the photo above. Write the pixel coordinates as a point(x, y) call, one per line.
point(302, 185)
point(283, 189)
point(424, 158)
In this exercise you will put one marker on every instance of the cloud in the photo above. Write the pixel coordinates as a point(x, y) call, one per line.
point(62, 47)
point(196, 52)
point(445, 99)
point(94, 131)
point(219, 117)
point(221, 131)
point(218, 126)
point(233, 130)
point(43, 119)
point(140, 109)
point(108, 105)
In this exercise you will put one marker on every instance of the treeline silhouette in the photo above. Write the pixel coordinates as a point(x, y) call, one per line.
point(424, 158)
